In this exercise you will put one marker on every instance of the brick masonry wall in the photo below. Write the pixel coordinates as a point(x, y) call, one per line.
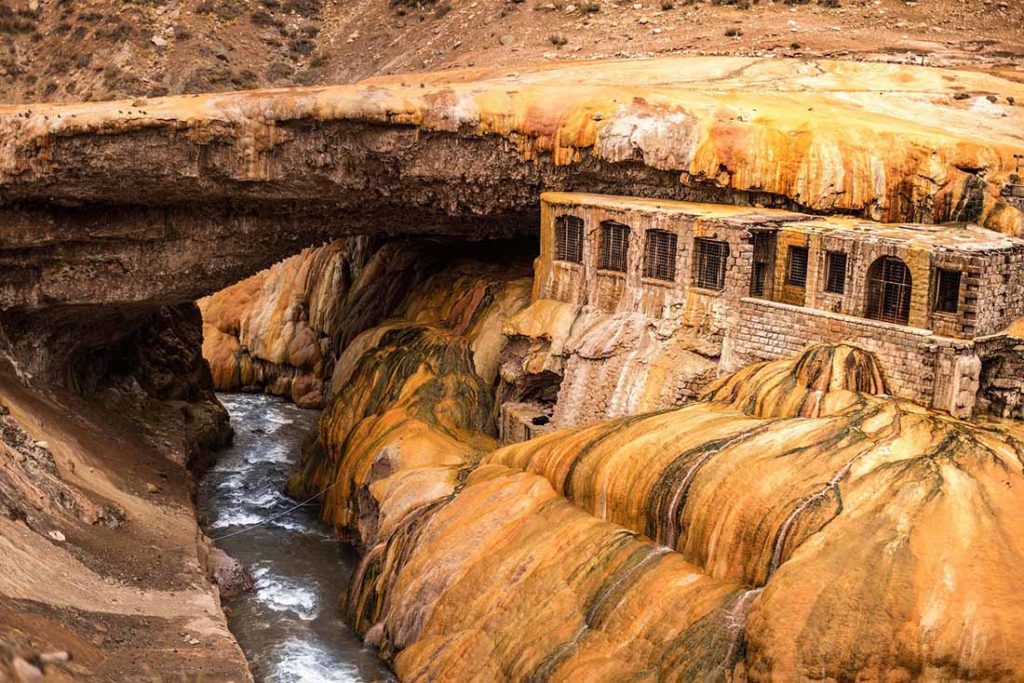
point(931, 360)
point(914, 361)
point(996, 283)
point(711, 312)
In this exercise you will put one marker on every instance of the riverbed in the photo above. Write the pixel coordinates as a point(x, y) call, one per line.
point(290, 625)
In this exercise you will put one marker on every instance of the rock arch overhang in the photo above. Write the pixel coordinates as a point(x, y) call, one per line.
point(134, 204)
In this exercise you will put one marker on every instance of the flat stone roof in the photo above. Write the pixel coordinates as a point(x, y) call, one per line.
point(953, 237)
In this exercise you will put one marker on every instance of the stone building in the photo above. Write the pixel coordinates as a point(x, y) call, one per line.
point(933, 302)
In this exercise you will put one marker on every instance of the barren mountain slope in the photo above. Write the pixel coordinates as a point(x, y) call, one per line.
point(70, 50)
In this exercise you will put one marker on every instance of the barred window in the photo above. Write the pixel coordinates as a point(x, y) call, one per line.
point(709, 264)
point(835, 272)
point(764, 252)
point(947, 291)
point(569, 239)
point(889, 287)
point(660, 255)
point(796, 268)
point(614, 246)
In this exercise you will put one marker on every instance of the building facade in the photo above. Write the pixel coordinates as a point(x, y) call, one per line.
point(928, 300)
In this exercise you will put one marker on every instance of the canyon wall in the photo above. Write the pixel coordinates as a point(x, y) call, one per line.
point(283, 330)
point(793, 524)
point(413, 397)
point(104, 573)
point(275, 331)
point(846, 542)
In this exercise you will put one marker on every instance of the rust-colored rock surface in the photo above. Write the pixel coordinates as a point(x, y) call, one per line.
point(173, 198)
point(886, 140)
point(273, 330)
point(869, 539)
point(283, 329)
point(411, 400)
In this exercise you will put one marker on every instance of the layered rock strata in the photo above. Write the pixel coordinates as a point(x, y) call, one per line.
point(412, 400)
point(160, 201)
point(845, 543)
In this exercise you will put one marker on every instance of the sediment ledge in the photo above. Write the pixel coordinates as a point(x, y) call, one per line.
point(894, 142)
point(98, 194)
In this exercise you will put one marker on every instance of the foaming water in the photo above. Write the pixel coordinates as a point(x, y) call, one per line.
point(290, 625)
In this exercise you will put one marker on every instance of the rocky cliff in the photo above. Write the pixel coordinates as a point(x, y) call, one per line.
point(274, 330)
point(120, 207)
point(284, 329)
point(413, 394)
point(105, 574)
point(114, 209)
point(844, 543)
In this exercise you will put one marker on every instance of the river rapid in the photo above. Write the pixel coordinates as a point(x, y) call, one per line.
point(290, 625)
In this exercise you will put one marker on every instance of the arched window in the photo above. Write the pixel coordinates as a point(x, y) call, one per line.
point(889, 290)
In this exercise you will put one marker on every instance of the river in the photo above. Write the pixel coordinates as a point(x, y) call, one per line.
point(290, 626)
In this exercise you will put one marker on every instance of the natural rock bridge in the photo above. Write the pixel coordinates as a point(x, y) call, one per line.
point(111, 209)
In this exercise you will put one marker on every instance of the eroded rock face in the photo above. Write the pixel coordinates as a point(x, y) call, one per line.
point(594, 365)
point(284, 329)
point(160, 201)
point(412, 400)
point(840, 544)
point(99, 546)
point(273, 331)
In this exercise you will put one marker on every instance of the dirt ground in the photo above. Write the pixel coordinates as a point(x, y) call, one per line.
point(126, 594)
point(100, 49)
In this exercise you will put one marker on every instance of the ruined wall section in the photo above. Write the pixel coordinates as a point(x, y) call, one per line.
point(995, 287)
point(1001, 375)
point(708, 311)
point(917, 365)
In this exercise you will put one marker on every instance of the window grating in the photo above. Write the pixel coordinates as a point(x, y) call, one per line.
point(889, 290)
point(764, 250)
point(614, 246)
point(660, 255)
point(709, 266)
point(835, 272)
point(569, 239)
point(947, 291)
point(796, 269)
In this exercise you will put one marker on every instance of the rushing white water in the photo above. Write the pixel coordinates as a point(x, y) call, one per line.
point(290, 625)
